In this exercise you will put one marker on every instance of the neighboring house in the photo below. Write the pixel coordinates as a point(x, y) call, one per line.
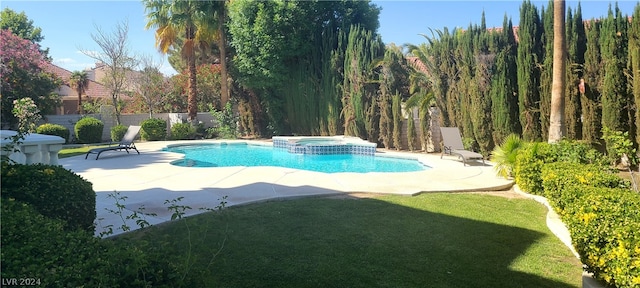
point(69, 96)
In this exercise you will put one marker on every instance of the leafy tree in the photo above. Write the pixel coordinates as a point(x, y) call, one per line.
point(150, 85)
point(79, 80)
point(194, 18)
point(23, 27)
point(556, 127)
point(208, 76)
point(23, 74)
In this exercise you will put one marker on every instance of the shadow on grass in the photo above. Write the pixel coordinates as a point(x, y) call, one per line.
point(346, 243)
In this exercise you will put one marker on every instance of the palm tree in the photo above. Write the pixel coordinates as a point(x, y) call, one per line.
point(220, 8)
point(79, 80)
point(194, 19)
point(556, 127)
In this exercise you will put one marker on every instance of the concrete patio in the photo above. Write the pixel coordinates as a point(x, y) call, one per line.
point(149, 180)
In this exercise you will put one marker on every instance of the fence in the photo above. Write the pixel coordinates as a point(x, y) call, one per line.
point(69, 121)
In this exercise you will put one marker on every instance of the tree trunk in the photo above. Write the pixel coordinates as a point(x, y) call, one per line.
point(222, 46)
point(556, 127)
point(80, 102)
point(192, 100)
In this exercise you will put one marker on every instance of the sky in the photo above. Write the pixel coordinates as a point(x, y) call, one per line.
point(67, 26)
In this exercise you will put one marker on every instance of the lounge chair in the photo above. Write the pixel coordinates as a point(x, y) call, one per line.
point(125, 144)
point(452, 145)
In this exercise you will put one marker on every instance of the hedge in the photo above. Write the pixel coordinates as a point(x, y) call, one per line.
point(55, 130)
point(53, 191)
point(600, 211)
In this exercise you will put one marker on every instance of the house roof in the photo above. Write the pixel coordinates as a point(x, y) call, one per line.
point(95, 89)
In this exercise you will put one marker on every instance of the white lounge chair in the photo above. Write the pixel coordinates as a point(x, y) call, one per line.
point(125, 144)
point(452, 145)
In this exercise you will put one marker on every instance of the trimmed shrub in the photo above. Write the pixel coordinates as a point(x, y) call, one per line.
point(603, 218)
point(560, 177)
point(53, 191)
point(532, 157)
point(55, 130)
point(117, 132)
point(183, 131)
point(153, 129)
point(35, 245)
point(89, 130)
point(605, 227)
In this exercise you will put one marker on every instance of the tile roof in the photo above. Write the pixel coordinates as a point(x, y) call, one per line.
point(95, 89)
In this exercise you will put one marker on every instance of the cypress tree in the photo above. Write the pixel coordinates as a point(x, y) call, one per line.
point(396, 107)
point(634, 64)
point(615, 96)
point(362, 48)
point(504, 99)
point(481, 100)
point(464, 86)
point(529, 54)
point(591, 84)
point(576, 42)
point(546, 73)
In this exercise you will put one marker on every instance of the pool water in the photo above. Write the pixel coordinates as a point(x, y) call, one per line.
point(242, 154)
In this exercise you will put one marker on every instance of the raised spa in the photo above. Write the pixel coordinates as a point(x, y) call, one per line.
point(324, 145)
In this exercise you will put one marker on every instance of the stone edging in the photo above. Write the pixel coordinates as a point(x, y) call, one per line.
point(559, 229)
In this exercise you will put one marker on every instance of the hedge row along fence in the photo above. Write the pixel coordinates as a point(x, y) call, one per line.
point(599, 208)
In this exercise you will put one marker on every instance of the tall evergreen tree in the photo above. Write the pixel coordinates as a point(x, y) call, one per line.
point(577, 45)
point(480, 111)
point(504, 88)
point(529, 55)
point(591, 84)
point(546, 73)
point(613, 41)
point(363, 47)
point(634, 64)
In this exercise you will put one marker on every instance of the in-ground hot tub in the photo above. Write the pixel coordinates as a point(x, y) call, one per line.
point(324, 145)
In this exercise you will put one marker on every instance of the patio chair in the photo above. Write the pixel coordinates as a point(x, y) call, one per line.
point(452, 145)
point(125, 144)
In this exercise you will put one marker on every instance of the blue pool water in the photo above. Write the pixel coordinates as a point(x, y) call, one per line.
point(240, 154)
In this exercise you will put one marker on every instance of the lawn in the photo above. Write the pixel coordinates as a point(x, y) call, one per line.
point(69, 152)
point(431, 240)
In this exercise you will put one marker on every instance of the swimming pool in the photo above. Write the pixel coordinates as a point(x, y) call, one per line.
point(243, 154)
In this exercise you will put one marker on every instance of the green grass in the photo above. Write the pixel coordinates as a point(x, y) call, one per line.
point(432, 240)
point(69, 152)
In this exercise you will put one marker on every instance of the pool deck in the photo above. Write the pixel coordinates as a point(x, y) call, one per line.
point(149, 180)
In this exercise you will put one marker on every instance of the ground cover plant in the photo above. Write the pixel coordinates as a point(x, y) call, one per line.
point(432, 240)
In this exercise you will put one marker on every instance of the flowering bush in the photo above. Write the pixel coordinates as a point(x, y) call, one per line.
point(23, 72)
point(27, 113)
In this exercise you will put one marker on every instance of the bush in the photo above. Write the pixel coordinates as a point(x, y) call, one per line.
point(560, 177)
point(117, 132)
point(53, 191)
point(89, 130)
point(55, 130)
point(183, 131)
point(40, 247)
point(605, 227)
point(602, 216)
point(532, 157)
point(153, 129)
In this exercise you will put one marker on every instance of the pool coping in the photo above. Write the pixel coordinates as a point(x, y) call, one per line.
point(149, 180)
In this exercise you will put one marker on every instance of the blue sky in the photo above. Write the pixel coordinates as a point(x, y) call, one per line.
point(67, 25)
